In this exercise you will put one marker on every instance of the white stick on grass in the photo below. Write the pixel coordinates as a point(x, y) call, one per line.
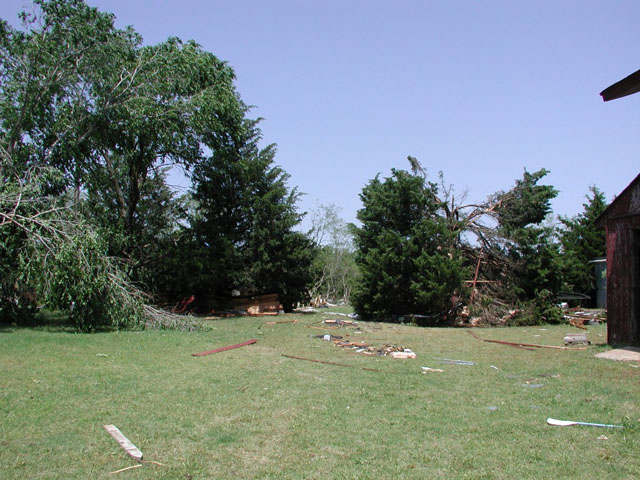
point(568, 423)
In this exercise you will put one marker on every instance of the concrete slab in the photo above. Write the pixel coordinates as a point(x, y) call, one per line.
point(624, 354)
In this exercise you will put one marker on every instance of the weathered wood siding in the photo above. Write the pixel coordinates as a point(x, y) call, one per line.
point(622, 224)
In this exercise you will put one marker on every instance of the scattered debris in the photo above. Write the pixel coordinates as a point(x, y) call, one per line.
point(341, 323)
point(406, 353)
point(222, 349)
point(394, 351)
point(353, 316)
point(183, 304)
point(518, 344)
point(101, 355)
point(256, 306)
point(429, 369)
point(578, 317)
point(493, 366)
point(482, 340)
point(162, 319)
point(573, 338)
point(603, 437)
point(492, 408)
point(124, 442)
point(533, 385)
point(568, 423)
point(305, 310)
point(330, 363)
point(281, 321)
point(456, 362)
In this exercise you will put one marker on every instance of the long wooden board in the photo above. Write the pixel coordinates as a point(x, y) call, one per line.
point(124, 442)
point(222, 349)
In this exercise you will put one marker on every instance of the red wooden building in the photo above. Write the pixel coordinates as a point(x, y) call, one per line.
point(621, 221)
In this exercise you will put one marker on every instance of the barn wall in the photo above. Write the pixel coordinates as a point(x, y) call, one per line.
point(623, 268)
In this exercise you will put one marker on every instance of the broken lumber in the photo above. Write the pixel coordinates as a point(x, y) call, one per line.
point(519, 344)
point(222, 349)
point(281, 321)
point(534, 345)
point(124, 442)
point(514, 346)
point(330, 363)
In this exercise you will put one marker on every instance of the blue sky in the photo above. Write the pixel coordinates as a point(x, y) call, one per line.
point(479, 90)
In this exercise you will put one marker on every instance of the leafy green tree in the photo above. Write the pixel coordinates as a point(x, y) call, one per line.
point(529, 244)
point(245, 218)
point(334, 265)
point(52, 76)
point(582, 241)
point(404, 249)
point(112, 115)
point(57, 259)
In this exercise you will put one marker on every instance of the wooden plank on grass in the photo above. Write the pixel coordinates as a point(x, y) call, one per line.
point(525, 345)
point(124, 442)
point(330, 363)
point(222, 349)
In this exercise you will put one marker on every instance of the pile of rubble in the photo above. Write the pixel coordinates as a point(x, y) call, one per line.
point(578, 317)
point(394, 351)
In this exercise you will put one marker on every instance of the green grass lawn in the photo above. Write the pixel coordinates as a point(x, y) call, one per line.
point(253, 413)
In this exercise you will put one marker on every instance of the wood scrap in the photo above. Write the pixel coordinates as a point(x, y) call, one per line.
point(281, 321)
point(223, 349)
point(519, 344)
point(514, 346)
point(124, 442)
point(330, 363)
point(127, 468)
point(578, 323)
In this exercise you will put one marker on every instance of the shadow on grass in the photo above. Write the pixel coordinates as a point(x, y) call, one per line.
point(48, 321)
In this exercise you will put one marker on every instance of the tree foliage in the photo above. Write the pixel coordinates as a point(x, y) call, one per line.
point(88, 104)
point(245, 216)
point(405, 251)
point(582, 241)
point(51, 256)
point(334, 267)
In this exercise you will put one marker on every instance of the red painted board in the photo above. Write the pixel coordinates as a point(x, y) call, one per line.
point(222, 349)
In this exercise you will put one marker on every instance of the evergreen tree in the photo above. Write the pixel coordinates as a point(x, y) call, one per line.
point(582, 241)
point(404, 249)
point(245, 217)
point(529, 244)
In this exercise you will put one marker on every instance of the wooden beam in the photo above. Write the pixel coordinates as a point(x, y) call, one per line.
point(331, 363)
point(222, 349)
point(124, 442)
point(518, 344)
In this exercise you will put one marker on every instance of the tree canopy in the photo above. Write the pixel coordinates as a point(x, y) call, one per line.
point(110, 118)
point(406, 253)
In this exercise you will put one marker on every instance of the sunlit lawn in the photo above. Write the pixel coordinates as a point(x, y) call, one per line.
point(253, 413)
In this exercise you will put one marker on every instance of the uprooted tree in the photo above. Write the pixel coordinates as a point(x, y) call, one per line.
point(504, 244)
